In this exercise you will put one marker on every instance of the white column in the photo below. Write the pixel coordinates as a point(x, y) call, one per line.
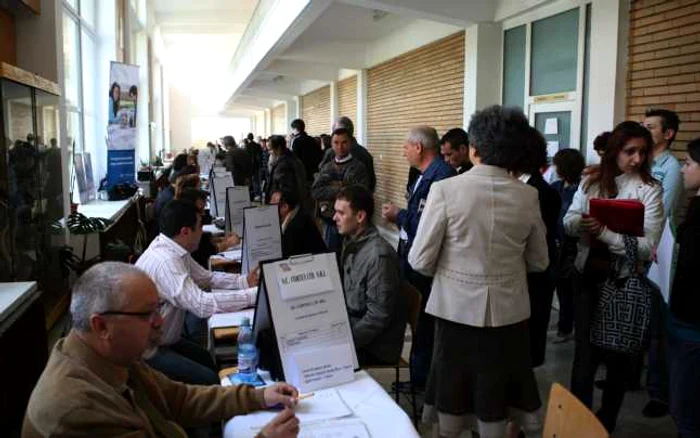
point(361, 120)
point(268, 122)
point(482, 67)
point(607, 70)
point(298, 114)
point(334, 104)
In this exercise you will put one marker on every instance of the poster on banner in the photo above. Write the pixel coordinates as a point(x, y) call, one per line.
point(237, 198)
point(121, 167)
point(262, 236)
point(312, 329)
point(122, 112)
point(217, 192)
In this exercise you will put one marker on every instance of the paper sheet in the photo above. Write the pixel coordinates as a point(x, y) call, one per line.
point(552, 148)
point(325, 404)
point(233, 255)
point(551, 126)
point(232, 319)
point(661, 271)
point(335, 429)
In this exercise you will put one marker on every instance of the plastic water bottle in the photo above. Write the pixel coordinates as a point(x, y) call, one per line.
point(247, 354)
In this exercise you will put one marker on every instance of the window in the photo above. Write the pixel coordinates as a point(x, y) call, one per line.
point(79, 67)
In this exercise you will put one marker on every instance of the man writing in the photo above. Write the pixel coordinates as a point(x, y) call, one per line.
point(96, 383)
point(454, 147)
point(421, 152)
point(370, 271)
point(181, 284)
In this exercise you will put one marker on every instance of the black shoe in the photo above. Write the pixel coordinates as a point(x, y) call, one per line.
point(655, 409)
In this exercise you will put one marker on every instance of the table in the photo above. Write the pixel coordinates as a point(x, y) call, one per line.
point(368, 401)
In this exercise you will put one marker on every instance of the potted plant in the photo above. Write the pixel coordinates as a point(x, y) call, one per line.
point(79, 224)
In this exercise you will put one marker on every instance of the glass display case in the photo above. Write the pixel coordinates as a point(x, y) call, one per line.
point(31, 189)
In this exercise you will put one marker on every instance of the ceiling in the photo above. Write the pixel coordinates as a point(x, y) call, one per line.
point(200, 38)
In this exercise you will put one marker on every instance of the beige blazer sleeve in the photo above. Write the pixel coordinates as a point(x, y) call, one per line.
point(536, 252)
point(425, 251)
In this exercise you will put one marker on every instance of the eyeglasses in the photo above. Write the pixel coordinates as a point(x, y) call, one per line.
point(146, 316)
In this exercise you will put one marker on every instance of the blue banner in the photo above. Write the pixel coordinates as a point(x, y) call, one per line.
point(121, 167)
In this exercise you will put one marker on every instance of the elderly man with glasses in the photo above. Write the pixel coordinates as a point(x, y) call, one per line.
point(97, 384)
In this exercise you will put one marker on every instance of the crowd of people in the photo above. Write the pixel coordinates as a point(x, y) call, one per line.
point(490, 230)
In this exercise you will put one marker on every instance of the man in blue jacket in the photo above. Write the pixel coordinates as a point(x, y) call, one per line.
point(422, 150)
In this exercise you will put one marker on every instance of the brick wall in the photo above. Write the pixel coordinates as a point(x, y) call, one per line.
point(421, 87)
point(347, 98)
point(664, 62)
point(279, 120)
point(316, 111)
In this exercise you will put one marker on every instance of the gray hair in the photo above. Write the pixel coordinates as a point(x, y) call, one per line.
point(498, 134)
point(99, 290)
point(424, 135)
point(344, 122)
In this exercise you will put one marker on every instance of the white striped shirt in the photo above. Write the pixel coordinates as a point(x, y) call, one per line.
point(181, 282)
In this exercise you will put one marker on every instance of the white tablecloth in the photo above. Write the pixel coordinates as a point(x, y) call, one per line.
point(369, 402)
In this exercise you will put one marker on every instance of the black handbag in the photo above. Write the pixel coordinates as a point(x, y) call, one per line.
point(623, 312)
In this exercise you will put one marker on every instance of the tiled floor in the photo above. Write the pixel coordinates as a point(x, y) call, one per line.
point(557, 368)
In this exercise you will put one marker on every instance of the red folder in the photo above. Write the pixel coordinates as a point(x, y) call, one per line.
point(624, 216)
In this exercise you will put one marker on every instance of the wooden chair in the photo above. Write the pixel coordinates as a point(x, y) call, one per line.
point(411, 300)
point(567, 417)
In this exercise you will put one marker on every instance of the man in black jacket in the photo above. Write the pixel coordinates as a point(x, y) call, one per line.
point(238, 162)
point(255, 151)
point(300, 235)
point(287, 173)
point(305, 149)
point(454, 147)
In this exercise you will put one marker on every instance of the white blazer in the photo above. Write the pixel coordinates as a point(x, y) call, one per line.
point(480, 233)
point(629, 186)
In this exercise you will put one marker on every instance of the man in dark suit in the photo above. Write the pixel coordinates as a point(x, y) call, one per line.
point(238, 162)
point(454, 147)
point(541, 284)
point(300, 235)
point(305, 149)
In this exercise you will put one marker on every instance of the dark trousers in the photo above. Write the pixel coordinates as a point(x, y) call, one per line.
point(564, 278)
point(422, 345)
point(657, 373)
point(587, 358)
point(186, 362)
point(684, 367)
point(541, 292)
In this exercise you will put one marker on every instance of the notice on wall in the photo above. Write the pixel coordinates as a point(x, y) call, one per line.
point(312, 329)
point(551, 126)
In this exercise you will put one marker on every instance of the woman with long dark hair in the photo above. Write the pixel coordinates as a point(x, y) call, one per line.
point(624, 173)
point(684, 351)
point(115, 93)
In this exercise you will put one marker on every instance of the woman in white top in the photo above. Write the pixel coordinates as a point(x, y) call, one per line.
point(624, 173)
point(480, 233)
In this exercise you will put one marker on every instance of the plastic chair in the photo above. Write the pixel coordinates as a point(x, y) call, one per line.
point(567, 417)
point(411, 299)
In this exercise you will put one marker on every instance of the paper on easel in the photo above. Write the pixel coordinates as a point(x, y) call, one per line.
point(237, 198)
point(217, 189)
point(309, 325)
point(661, 271)
point(205, 159)
point(262, 236)
point(296, 281)
point(311, 374)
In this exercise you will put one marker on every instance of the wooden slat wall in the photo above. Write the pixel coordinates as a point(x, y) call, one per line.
point(347, 98)
point(422, 87)
point(279, 120)
point(316, 111)
point(664, 63)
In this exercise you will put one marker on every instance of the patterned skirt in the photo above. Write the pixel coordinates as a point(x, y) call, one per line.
point(480, 379)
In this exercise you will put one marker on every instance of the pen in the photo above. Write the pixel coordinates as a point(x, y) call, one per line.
point(305, 396)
